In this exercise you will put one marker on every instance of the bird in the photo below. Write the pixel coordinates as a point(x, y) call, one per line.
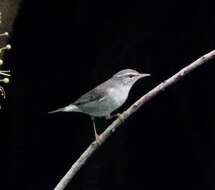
point(106, 97)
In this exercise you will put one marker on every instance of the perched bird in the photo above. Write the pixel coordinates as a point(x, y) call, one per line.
point(105, 98)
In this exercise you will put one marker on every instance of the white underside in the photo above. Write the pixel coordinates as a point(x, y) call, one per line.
point(114, 99)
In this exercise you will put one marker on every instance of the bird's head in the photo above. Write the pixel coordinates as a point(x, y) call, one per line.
point(129, 76)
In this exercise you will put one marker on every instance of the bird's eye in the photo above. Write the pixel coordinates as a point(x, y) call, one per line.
point(130, 76)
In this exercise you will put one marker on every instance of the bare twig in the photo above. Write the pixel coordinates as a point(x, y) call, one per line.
point(133, 108)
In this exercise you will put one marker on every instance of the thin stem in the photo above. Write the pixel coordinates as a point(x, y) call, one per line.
point(5, 73)
point(4, 34)
point(7, 47)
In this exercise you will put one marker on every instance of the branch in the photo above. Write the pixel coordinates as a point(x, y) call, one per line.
point(133, 108)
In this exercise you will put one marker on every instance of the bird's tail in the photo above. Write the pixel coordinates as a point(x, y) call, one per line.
point(69, 108)
point(55, 111)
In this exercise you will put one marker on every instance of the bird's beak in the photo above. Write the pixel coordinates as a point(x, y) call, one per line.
point(143, 75)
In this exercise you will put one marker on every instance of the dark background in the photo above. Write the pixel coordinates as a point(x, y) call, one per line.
point(63, 49)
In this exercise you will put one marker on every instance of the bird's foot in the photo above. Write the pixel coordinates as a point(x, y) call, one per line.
point(120, 117)
point(98, 139)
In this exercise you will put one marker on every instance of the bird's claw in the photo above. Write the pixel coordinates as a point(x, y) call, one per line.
point(120, 117)
point(98, 139)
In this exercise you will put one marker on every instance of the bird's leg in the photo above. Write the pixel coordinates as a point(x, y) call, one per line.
point(97, 137)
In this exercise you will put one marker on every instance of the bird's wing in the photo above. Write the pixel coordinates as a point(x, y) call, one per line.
point(96, 94)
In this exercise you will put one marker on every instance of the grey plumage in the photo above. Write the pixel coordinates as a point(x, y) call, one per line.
point(113, 91)
point(107, 97)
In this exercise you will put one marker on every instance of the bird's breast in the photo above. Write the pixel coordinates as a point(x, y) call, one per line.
point(118, 95)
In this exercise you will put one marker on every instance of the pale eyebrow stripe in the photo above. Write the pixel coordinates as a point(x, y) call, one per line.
point(126, 74)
